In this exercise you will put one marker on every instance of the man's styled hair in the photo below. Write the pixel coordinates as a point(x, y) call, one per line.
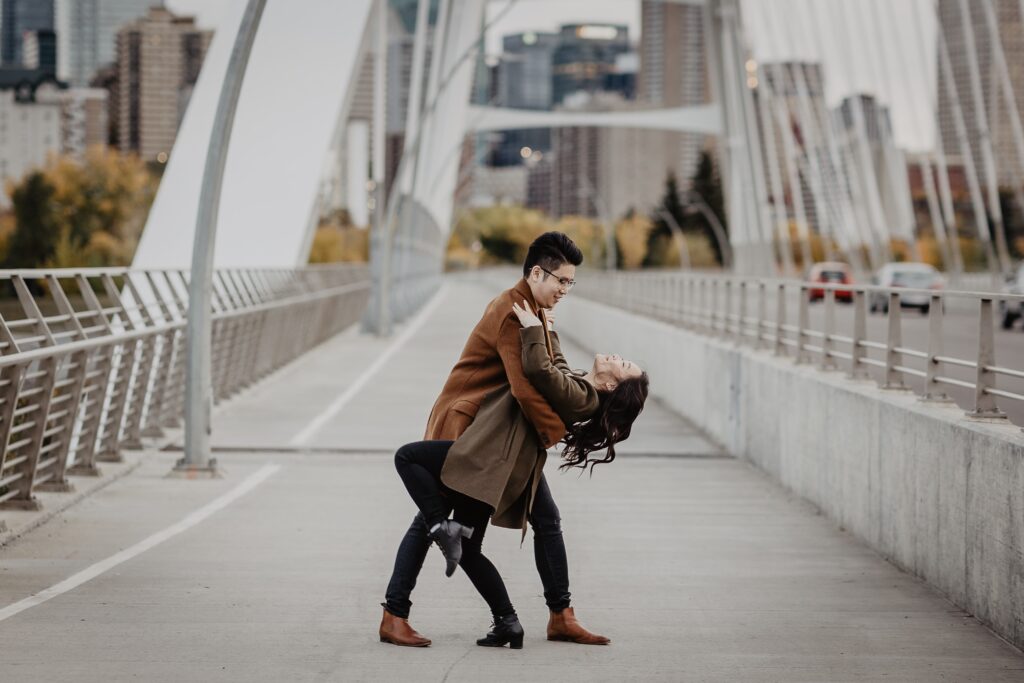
point(551, 251)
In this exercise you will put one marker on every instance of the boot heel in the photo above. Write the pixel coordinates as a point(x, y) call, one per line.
point(516, 642)
point(467, 532)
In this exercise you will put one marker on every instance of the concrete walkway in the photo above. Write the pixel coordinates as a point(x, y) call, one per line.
point(697, 566)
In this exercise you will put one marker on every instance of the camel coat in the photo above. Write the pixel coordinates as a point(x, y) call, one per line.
point(492, 360)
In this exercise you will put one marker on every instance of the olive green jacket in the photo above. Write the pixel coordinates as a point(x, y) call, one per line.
point(499, 458)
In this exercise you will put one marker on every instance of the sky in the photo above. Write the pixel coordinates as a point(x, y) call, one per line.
point(851, 37)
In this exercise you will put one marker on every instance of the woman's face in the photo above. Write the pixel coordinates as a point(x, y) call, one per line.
point(610, 369)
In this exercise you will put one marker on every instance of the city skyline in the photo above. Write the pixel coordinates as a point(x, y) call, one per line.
point(910, 24)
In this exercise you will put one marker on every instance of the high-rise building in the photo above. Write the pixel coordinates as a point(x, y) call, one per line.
point(29, 122)
point(159, 57)
point(525, 70)
point(1010, 20)
point(673, 68)
point(584, 57)
point(86, 34)
point(39, 51)
point(83, 114)
point(17, 17)
point(875, 115)
point(782, 80)
point(606, 172)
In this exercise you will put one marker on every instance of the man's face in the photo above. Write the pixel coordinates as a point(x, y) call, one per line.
point(548, 289)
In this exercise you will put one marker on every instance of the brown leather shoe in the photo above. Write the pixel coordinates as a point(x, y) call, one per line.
point(563, 626)
point(397, 630)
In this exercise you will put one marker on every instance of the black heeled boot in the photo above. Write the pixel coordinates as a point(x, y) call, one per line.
point(506, 629)
point(448, 537)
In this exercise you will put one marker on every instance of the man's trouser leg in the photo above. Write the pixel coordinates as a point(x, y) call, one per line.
point(549, 548)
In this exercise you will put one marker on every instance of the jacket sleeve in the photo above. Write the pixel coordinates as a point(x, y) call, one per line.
point(556, 347)
point(559, 387)
point(538, 411)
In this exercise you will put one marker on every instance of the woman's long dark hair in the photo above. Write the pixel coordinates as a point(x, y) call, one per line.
point(609, 425)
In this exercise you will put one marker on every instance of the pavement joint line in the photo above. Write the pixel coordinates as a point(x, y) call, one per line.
point(101, 567)
point(336, 406)
point(373, 450)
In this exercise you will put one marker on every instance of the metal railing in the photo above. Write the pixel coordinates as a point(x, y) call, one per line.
point(776, 315)
point(92, 360)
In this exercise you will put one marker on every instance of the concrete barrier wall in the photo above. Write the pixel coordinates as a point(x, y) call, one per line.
point(938, 495)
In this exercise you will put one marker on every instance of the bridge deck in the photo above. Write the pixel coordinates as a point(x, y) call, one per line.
point(696, 565)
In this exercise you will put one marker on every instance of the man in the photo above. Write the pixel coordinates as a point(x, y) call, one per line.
point(491, 360)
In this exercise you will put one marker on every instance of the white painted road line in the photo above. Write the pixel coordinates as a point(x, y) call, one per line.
point(316, 424)
point(89, 573)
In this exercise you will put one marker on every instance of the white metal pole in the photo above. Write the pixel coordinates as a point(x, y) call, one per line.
point(378, 320)
point(945, 192)
point(984, 137)
point(198, 377)
point(977, 203)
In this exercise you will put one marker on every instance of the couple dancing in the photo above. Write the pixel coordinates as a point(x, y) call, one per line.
point(510, 396)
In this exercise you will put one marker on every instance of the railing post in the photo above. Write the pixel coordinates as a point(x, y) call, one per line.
point(727, 312)
point(780, 319)
point(860, 335)
point(802, 355)
point(827, 363)
point(762, 308)
point(742, 313)
point(894, 339)
point(985, 403)
point(142, 368)
point(933, 392)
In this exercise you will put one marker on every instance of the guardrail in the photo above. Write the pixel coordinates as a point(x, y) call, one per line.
point(92, 360)
point(776, 314)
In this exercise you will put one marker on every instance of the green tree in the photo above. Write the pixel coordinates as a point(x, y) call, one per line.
point(36, 231)
point(659, 239)
point(706, 185)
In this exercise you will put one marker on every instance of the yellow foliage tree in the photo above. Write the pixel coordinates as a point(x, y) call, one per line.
point(588, 236)
point(631, 235)
point(97, 209)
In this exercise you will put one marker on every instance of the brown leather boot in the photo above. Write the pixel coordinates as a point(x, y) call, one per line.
point(397, 630)
point(563, 626)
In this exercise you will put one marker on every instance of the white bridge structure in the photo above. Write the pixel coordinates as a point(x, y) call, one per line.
point(903, 430)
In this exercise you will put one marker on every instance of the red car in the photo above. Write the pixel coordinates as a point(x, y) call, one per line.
point(830, 272)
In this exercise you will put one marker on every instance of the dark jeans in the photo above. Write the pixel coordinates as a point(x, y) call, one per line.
point(548, 552)
point(419, 465)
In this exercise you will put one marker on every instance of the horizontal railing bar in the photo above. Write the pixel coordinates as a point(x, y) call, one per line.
point(955, 382)
point(1004, 394)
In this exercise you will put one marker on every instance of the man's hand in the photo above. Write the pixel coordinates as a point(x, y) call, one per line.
point(525, 315)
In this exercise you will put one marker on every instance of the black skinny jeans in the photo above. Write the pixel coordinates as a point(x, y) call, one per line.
point(419, 465)
point(548, 551)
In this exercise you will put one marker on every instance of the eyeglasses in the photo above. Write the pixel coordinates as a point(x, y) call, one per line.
point(563, 282)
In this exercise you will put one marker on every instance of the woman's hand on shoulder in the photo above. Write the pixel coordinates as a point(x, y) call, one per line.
point(526, 317)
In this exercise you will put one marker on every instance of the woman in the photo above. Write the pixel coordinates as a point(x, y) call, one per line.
point(494, 468)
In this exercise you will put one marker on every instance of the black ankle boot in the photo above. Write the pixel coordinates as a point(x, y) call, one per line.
point(506, 629)
point(448, 537)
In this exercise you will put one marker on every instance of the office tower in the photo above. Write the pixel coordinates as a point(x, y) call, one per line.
point(1011, 36)
point(86, 34)
point(17, 17)
point(84, 123)
point(39, 51)
point(673, 69)
point(606, 172)
point(159, 57)
point(29, 123)
point(584, 57)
